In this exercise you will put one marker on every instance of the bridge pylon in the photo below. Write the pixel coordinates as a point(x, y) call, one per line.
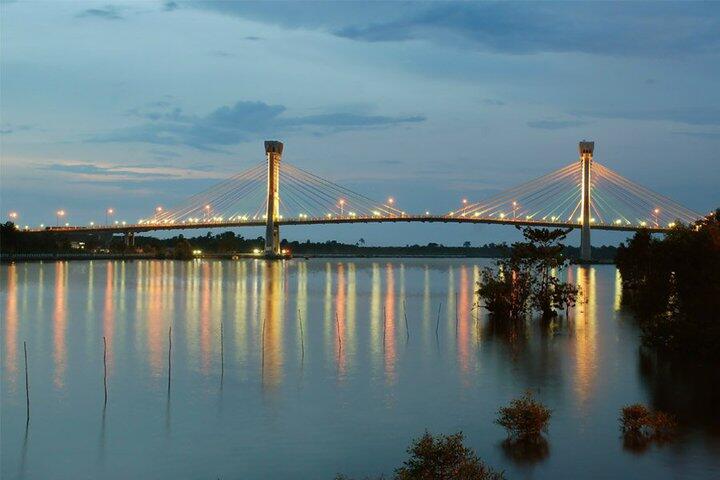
point(273, 152)
point(586, 157)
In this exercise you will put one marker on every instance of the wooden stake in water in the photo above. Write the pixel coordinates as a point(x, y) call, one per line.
point(337, 328)
point(263, 345)
point(384, 323)
point(407, 330)
point(222, 352)
point(302, 336)
point(169, 356)
point(105, 368)
point(456, 314)
point(27, 385)
point(437, 325)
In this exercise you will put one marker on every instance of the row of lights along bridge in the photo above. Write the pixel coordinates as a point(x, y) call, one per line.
point(208, 218)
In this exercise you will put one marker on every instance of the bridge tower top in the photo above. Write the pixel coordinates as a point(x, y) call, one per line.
point(273, 146)
point(586, 148)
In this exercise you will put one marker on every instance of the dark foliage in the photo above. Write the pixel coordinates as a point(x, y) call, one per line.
point(525, 280)
point(641, 427)
point(442, 457)
point(674, 286)
point(524, 418)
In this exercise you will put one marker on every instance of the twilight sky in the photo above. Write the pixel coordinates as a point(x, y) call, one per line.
point(136, 104)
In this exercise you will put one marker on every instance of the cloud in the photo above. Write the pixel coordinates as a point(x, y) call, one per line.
point(230, 125)
point(9, 128)
point(492, 102)
point(170, 6)
point(505, 27)
point(556, 124)
point(688, 115)
point(702, 135)
point(109, 12)
point(79, 171)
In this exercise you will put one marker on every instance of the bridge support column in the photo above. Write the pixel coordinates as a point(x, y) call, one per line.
point(586, 157)
point(273, 151)
point(129, 239)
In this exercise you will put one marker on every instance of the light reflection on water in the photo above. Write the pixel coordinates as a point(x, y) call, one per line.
point(328, 366)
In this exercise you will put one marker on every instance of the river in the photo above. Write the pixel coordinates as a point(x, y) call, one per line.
point(308, 368)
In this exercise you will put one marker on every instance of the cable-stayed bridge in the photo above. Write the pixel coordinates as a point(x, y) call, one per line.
point(584, 194)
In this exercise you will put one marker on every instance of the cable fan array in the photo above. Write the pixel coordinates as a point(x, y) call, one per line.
point(618, 201)
point(554, 197)
point(557, 197)
point(303, 196)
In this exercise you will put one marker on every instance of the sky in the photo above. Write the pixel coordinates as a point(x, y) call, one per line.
point(136, 104)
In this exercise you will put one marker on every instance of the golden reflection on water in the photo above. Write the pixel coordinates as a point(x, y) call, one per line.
point(389, 324)
point(11, 324)
point(375, 314)
point(340, 319)
point(585, 344)
point(617, 298)
point(273, 296)
point(241, 324)
point(464, 330)
point(302, 308)
point(60, 324)
point(108, 316)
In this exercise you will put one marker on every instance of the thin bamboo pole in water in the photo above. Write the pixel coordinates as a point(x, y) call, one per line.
point(27, 385)
point(169, 356)
point(105, 368)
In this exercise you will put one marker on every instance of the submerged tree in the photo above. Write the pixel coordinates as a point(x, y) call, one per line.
point(444, 457)
point(526, 279)
point(673, 284)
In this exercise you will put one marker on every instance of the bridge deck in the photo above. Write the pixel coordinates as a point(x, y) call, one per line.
point(148, 227)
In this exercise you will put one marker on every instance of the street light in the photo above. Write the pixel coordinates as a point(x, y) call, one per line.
point(655, 213)
point(342, 206)
point(514, 209)
point(58, 214)
point(108, 213)
point(13, 215)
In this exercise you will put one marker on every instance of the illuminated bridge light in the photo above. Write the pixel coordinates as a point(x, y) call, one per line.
point(618, 221)
point(592, 220)
point(643, 223)
point(376, 213)
point(671, 224)
point(92, 224)
point(427, 213)
point(502, 215)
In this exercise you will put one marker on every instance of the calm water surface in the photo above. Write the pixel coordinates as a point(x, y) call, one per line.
point(310, 367)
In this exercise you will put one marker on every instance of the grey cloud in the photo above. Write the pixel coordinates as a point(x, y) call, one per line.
point(492, 102)
point(241, 122)
point(170, 6)
point(703, 135)
point(516, 28)
point(687, 115)
point(556, 124)
point(9, 128)
point(92, 169)
point(109, 12)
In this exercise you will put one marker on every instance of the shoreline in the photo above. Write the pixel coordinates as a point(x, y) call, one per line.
point(41, 257)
